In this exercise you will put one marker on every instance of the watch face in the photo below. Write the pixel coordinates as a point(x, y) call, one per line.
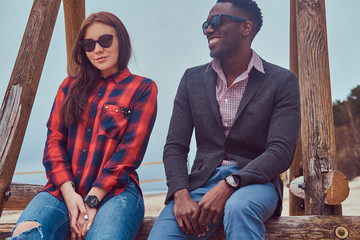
point(91, 201)
point(232, 181)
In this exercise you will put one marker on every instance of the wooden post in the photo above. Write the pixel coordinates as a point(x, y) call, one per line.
point(74, 14)
point(296, 204)
point(20, 93)
point(317, 128)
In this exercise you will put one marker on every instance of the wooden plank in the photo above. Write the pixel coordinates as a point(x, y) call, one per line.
point(22, 87)
point(312, 227)
point(282, 228)
point(296, 205)
point(317, 127)
point(336, 187)
point(74, 15)
point(21, 195)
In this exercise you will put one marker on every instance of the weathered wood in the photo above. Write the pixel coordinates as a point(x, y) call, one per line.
point(335, 184)
point(317, 128)
point(311, 227)
point(283, 228)
point(295, 188)
point(336, 188)
point(21, 195)
point(296, 205)
point(20, 93)
point(74, 14)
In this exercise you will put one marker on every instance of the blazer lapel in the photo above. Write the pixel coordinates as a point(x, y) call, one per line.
point(255, 80)
point(210, 82)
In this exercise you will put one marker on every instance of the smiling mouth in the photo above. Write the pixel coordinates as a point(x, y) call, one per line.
point(213, 41)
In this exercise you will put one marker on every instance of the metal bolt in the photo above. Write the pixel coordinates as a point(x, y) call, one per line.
point(341, 232)
point(301, 185)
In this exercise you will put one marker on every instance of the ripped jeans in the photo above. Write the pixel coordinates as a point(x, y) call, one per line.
point(120, 217)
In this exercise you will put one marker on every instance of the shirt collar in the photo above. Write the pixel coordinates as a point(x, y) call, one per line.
point(255, 61)
point(118, 76)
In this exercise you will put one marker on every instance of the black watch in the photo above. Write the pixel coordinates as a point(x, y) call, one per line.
point(92, 201)
point(232, 181)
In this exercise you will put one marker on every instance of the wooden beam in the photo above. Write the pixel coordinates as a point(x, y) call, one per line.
point(21, 195)
point(317, 128)
point(296, 205)
point(74, 14)
point(336, 187)
point(20, 93)
point(282, 228)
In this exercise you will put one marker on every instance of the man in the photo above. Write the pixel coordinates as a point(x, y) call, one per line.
point(246, 116)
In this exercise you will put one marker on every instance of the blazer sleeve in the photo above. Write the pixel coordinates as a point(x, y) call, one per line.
point(284, 128)
point(178, 140)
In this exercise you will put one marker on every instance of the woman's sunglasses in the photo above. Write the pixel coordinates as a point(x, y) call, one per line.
point(215, 21)
point(104, 41)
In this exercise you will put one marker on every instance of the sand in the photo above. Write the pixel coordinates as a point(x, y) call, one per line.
point(155, 203)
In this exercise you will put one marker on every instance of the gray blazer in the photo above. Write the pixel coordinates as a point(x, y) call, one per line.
point(262, 139)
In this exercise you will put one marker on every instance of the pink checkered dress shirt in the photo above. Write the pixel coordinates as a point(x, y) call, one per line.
point(229, 97)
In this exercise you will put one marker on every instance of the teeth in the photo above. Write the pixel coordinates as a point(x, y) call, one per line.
point(213, 40)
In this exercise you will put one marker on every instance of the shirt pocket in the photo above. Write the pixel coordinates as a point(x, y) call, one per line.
point(113, 121)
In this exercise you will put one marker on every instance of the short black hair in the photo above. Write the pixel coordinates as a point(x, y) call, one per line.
point(251, 8)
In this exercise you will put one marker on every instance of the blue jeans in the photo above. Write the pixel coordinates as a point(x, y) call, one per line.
point(120, 217)
point(245, 211)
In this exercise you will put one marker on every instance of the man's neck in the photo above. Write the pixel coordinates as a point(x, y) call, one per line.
point(234, 67)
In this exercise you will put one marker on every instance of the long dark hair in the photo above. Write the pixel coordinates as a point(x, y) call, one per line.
point(86, 75)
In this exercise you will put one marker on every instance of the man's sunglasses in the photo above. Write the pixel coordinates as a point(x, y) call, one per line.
point(215, 21)
point(104, 41)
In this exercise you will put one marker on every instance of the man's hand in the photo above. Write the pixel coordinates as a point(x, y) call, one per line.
point(212, 204)
point(184, 208)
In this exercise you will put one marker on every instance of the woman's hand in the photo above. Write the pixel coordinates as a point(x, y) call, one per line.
point(75, 206)
point(84, 224)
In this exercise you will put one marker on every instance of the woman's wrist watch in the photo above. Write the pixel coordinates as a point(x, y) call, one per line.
point(233, 182)
point(92, 201)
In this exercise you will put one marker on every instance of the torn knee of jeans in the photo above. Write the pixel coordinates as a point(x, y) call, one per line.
point(27, 227)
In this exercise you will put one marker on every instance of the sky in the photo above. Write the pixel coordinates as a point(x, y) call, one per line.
point(167, 39)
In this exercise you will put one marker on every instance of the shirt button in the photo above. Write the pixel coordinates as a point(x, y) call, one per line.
point(84, 150)
point(99, 94)
point(225, 124)
point(226, 100)
point(88, 130)
point(79, 172)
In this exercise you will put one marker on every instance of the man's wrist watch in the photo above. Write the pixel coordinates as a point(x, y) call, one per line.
point(233, 182)
point(92, 201)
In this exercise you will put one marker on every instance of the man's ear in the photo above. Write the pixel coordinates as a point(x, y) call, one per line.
point(246, 28)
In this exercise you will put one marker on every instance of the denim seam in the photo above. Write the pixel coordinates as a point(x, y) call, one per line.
point(57, 227)
point(138, 205)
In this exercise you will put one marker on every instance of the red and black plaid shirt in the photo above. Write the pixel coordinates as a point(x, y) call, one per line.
point(108, 146)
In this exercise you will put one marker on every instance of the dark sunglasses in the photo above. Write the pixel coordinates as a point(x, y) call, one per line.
point(215, 21)
point(104, 41)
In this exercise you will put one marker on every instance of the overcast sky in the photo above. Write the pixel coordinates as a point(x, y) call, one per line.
point(167, 38)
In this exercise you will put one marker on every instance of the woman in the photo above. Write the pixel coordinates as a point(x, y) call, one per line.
point(98, 132)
